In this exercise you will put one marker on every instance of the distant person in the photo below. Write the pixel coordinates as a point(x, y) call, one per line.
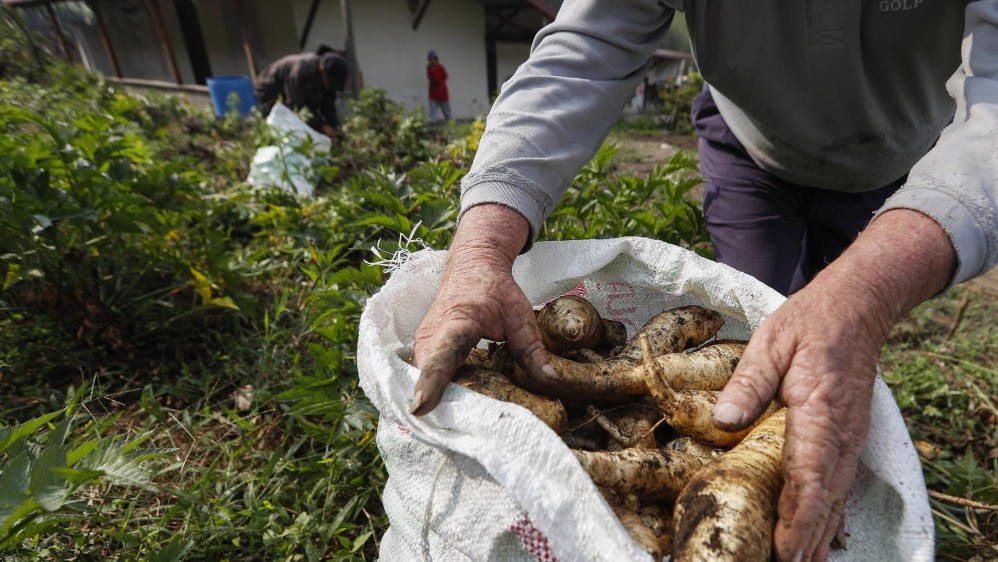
point(305, 80)
point(439, 97)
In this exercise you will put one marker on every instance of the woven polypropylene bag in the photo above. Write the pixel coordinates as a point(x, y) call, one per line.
point(479, 479)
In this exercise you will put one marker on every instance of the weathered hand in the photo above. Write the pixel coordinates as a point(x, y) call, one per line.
point(478, 298)
point(817, 353)
point(827, 358)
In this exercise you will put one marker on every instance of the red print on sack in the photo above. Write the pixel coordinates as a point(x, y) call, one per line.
point(617, 291)
point(533, 541)
point(579, 290)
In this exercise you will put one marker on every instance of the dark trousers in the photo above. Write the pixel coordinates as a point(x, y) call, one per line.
point(780, 233)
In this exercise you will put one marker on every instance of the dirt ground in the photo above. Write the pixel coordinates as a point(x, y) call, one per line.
point(637, 155)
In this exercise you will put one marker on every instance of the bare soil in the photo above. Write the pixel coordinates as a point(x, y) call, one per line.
point(638, 154)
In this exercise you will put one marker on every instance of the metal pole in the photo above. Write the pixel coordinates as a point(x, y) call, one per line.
point(164, 39)
point(104, 37)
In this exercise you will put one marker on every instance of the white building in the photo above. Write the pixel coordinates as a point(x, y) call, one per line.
point(181, 43)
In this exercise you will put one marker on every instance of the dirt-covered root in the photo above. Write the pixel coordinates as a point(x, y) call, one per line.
point(657, 474)
point(628, 425)
point(640, 532)
point(728, 511)
point(496, 385)
point(707, 368)
point(690, 412)
point(695, 448)
point(570, 322)
point(672, 331)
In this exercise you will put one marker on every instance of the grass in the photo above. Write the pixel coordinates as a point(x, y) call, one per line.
point(946, 388)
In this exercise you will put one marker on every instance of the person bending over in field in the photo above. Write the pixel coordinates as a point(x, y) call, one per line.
point(305, 80)
point(818, 117)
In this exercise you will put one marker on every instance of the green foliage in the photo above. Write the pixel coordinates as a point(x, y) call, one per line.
point(99, 233)
point(21, 51)
point(677, 104)
point(45, 466)
point(945, 387)
point(381, 132)
point(598, 205)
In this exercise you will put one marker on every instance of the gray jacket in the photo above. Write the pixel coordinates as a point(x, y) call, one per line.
point(846, 96)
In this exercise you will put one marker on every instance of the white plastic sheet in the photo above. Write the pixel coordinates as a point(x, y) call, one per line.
point(288, 164)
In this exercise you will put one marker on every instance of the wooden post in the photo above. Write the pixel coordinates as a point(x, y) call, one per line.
point(164, 39)
point(247, 45)
point(355, 76)
point(491, 67)
point(104, 37)
point(420, 14)
point(60, 36)
point(308, 24)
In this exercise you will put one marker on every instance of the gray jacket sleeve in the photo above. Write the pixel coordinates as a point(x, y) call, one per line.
point(956, 183)
point(555, 111)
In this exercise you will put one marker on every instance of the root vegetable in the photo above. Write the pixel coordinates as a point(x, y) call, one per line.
point(496, 385)
point(649, 473)
point(688, 445)
point(480, 357)
point(668, 332)
point(728, 511)
point(640, 532)
point(631, 429)
point(582, 355)
point(707, 368)
point(689, 411)
point(572, 322)
point(658, 517)
point(673, 330)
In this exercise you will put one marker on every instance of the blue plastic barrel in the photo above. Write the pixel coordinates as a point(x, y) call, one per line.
point(219, 87)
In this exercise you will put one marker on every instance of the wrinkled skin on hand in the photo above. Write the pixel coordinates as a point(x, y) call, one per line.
point(818, 353)
point(478, 298)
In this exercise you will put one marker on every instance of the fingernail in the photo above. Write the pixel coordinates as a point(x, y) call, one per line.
point(727, 413)
point(549, 372)
point(799, 556)
point(841, 539)
point(417, 402)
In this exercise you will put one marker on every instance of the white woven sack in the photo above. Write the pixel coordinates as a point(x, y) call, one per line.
point(478, 479)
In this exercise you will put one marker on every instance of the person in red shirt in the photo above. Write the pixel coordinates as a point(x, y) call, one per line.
point(439, 98)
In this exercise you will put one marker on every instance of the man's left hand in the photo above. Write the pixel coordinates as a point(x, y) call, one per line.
point(818, 353)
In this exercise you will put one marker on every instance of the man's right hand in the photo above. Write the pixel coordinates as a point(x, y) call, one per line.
point(478, 298)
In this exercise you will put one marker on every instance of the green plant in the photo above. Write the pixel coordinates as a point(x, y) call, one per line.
point(381, 132)
point(21, 52)
point(48, 463)
point(599, 205)
point(677, 103)
point(945, 381)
